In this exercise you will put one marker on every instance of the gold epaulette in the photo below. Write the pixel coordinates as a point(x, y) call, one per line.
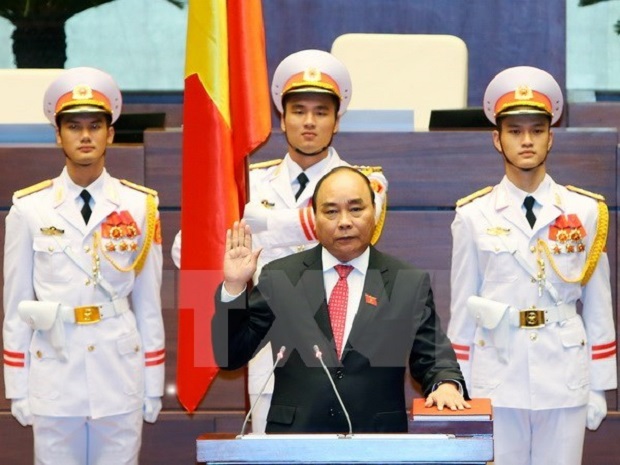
point(368, 169)
point(265, 164)
point(475, 195)
point(578, 190)
point(378, 188)
point(138, 187)
point(34, 188)
point(380, 223)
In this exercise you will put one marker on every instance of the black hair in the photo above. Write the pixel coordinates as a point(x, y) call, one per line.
point(500, 118)
point(336, 170)
point(334, 97)
point(59, 117)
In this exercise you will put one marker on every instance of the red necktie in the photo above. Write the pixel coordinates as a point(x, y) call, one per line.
point(337, 305)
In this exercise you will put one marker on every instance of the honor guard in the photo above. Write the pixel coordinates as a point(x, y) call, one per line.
point(525, 252)
point(83, 331)
point(311, 89)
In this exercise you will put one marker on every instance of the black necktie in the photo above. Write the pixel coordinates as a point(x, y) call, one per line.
point(528, 203)
point(303, 180)
point(86, 211)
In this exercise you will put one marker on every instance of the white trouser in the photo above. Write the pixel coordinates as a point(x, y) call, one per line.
point(113, 440)
point(259, 414)
point(259, 369)
point(539, 437)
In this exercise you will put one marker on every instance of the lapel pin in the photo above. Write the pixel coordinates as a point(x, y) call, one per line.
point(370, 300)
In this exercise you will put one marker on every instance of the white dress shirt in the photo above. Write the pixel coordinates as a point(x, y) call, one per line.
point(355, 280)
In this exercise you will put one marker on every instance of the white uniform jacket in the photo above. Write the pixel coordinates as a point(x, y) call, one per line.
point(553, 366)
point(110, 365)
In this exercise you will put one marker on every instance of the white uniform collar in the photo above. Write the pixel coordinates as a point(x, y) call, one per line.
point(312, 172)
point(509, 194)
point(95, 189)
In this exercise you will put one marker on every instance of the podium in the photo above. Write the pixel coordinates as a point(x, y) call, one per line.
point(432, 448)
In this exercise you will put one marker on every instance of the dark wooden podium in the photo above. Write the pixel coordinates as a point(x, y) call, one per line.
point(432, 448)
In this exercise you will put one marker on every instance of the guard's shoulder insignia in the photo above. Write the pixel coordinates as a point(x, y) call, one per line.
point(138, 187)
point(368, 169)
point(265, 164)
point(578, 190)
point(475, 195)
point(34, 188)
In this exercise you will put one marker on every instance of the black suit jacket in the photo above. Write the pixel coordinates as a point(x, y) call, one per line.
point(395, 324)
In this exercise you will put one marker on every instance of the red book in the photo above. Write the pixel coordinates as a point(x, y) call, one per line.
point(480, 410)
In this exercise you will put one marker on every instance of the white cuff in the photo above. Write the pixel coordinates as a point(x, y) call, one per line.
point(225, 296)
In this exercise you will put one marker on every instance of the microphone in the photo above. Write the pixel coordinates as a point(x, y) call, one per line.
point(319, 355)
point(279, 356)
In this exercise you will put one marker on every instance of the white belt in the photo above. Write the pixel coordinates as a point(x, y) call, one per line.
point(533, 317)
point(88, 314)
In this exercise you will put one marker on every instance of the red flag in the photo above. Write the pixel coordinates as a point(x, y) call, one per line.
point(226, 115)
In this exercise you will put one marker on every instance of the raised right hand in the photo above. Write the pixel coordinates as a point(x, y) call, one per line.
point(240, 261)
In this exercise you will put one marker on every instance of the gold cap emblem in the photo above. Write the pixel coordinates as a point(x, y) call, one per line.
point(82, 92)
point(524, 93)
point(312, 75)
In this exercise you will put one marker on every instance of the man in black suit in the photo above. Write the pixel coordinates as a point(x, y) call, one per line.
point(388, 314)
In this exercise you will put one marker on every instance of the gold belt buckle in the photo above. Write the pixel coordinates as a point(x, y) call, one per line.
point(532, 318)
point(87, 315)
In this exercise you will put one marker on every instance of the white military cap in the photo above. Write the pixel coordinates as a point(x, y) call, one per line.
point(523, 90)
point(82, 90)
point(312, 71)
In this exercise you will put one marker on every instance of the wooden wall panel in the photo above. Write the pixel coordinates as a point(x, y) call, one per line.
point(427, 173)
point(593, 114)
point(163, 165)
point(602, 446)
point(424, 169)
point(17, 448)
point(23, 165)
point(431, 169)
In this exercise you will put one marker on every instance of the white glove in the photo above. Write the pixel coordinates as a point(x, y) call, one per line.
point(152, 407)
point(175, 252)
point(597, 410)
point(20, 409)
point(256, 216)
